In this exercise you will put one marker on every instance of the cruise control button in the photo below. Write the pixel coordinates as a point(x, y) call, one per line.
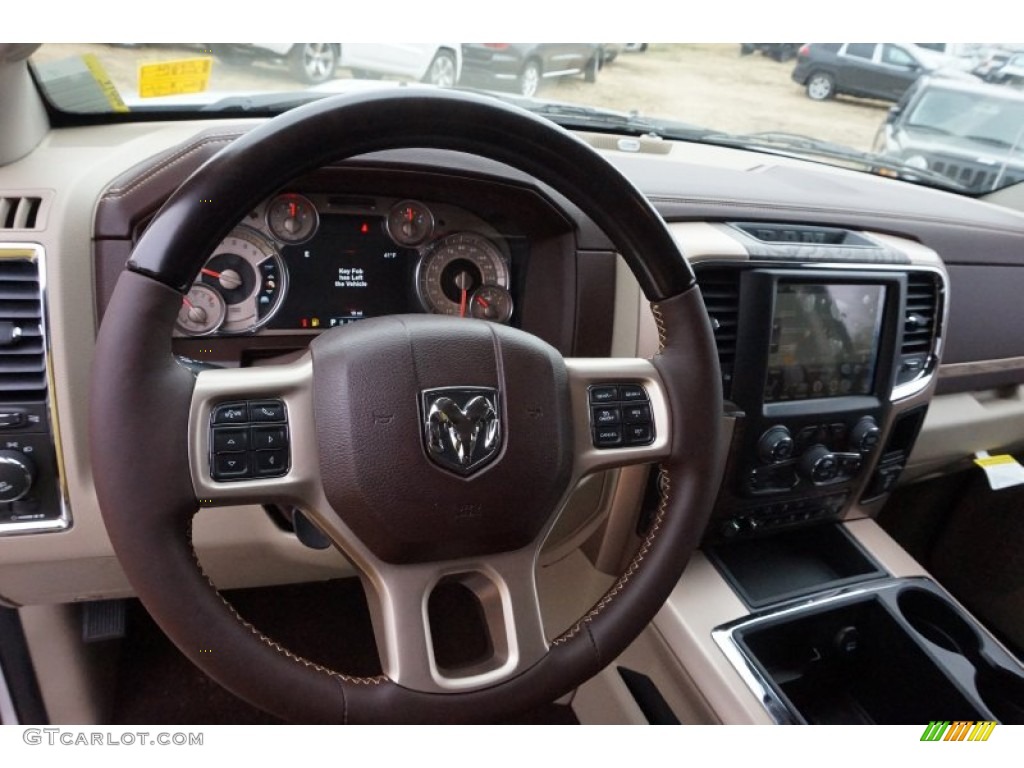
point(607, 437)
point(632, 392)
point(604, 416)
point(639, 434)
point(230, 413)
point(230, 439)
point(637, 414)
point(228, 466)
point(267, 410)
point(599, 395)
point(271, 462)
point(269, 437)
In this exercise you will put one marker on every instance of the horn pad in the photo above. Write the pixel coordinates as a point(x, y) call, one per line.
point(441, 438)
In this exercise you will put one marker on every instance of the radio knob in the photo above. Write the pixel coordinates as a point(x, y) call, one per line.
point(17, 472)
point(775, 446)
point(819, 464)
point(865, 435)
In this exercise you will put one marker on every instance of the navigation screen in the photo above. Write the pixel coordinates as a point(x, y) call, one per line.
point(349, 271)
point(824, 341)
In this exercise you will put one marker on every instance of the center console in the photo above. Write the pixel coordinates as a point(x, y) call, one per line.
point(831, 357)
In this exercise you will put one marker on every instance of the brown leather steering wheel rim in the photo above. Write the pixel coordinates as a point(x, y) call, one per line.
point(141, 393)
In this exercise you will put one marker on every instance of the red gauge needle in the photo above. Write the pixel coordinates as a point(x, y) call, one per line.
point(211, 273)
point(187, 303)
point(462, 304)
point(483, 302)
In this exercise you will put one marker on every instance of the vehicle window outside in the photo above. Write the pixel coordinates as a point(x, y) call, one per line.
point(895, 55)
point(860, 50)
point(981, 119)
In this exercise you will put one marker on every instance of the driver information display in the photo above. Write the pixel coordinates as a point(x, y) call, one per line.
point(824, 340)
point(350, 270)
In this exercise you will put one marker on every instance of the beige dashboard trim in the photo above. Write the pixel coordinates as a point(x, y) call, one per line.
point(978, 367)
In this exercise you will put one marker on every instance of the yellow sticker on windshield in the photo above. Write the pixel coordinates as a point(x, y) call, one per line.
point(168, 78)
point(99, 74)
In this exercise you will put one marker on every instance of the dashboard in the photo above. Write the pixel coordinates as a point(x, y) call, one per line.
point(860, 324)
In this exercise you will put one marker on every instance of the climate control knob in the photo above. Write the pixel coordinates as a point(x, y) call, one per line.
point(17, 472)
point(775, 445)
point(865, 435)
point(819, 464)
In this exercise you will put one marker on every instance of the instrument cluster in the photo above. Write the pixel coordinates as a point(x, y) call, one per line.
point(301, 263)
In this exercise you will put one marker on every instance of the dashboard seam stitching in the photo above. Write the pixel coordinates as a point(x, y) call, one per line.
point(151, 173)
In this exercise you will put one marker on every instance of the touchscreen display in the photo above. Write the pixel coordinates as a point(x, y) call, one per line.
point(824, 340)
point(349, 271)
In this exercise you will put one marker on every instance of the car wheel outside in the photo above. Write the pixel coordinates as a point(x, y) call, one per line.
point(313, 62)
point(593, 67)
point(529, 79)
point(821, 86)
point(442, 70)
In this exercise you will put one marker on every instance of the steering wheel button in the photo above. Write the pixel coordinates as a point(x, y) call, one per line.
point(267, 410)
point(608, 437)
point(230, 466)
point(639, 434)
point(230, 413)
point(603, 394)
point(230, 439)
point(632, 392)
point(606, 416)
point(269, 437)
point(271, 463)
point(637, 414)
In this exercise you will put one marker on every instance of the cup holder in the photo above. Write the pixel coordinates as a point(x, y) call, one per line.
point(939, 621)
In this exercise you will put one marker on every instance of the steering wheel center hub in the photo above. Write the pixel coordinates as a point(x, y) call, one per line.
point(441, 438)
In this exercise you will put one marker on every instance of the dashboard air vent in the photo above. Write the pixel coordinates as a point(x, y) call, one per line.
point(22, 356)
point(720, 287)
point(19, 212)
point(920, 324)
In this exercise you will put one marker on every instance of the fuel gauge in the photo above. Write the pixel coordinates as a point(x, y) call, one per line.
point(202, 311)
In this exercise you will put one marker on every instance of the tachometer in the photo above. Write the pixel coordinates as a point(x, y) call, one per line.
point(454, 268)
point(247, 272)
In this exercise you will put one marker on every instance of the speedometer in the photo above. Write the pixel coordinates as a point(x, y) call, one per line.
point(455, 267)
point(248, 273)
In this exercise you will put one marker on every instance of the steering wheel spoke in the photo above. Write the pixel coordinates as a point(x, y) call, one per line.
point(620, 412)
point(457, 626)
point(252, 437)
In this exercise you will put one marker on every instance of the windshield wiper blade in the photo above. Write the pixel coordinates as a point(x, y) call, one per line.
point(794, 144)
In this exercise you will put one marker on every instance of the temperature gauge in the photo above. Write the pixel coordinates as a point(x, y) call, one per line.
point(202, 311)
point(292, 219)
point(491, 302)
point(410, 223)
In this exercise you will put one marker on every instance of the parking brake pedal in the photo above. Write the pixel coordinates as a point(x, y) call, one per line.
point(103, 620)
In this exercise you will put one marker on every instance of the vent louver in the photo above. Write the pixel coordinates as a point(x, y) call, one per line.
point(720, 287)
point(19, 212)
point(22, 357)
point(920, 324)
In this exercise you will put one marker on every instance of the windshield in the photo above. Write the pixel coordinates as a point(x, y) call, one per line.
point(822, 101)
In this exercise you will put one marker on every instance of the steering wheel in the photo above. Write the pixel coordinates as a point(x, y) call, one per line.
point(388, 453)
